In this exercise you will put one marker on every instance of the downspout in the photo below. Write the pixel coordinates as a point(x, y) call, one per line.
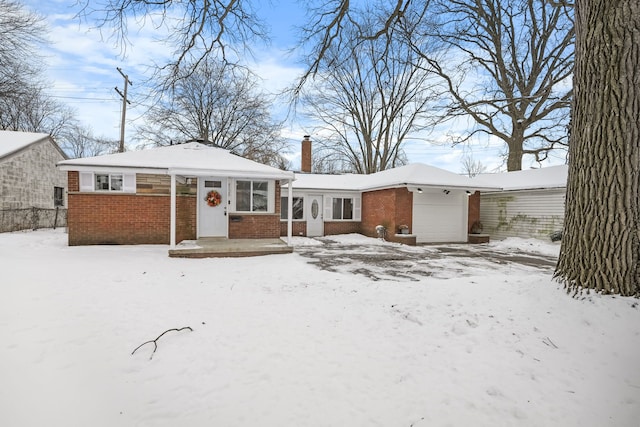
point(172, 222)
point(290, 212)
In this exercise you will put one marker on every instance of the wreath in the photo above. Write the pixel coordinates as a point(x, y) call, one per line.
point(213, 198)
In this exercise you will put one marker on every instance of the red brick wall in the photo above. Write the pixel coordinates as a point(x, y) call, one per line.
point(299, 228)
point(127, 219)
point(186, 207)
point(117, 219)
point(256, 226)
point(107, 218)
point(391, 207)
point(73, 179)
point(474, 209)
point(341, 227)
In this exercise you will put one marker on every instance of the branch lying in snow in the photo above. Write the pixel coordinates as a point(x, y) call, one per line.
point(548, 342)
point(155, 342)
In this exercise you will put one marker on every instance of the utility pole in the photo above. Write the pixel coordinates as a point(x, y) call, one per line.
point(125, 101)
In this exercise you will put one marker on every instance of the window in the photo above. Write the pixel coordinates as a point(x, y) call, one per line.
point(342, 208)
point(116, 181)
point(252, 196)
point(58, 196)
point(297, 207)
point(108, 182)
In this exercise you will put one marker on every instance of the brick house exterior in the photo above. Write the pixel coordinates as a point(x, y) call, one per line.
point(434, 205)
point(137, 208)
point(125, 219)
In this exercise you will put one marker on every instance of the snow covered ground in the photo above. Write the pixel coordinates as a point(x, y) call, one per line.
point(279, 341)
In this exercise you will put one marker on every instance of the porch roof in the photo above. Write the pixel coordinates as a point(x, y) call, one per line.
point(190, 159)
point(412, 175)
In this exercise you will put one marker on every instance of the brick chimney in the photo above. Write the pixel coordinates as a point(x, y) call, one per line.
point(305, 158)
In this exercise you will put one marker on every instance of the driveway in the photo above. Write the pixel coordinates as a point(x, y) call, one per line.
point(389, 261)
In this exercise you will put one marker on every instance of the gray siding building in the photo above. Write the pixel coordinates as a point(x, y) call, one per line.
point(32, 189)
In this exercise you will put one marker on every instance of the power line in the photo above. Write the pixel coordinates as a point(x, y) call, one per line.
point(80, 98)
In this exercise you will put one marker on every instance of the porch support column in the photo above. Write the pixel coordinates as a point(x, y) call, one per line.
point(289, 212)
point(172, 222)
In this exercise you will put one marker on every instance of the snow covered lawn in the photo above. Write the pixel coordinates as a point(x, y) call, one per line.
point(279, 341)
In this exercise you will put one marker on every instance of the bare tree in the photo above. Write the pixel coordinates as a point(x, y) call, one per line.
point(507, 65)
point(22, 32)
point(329, 18)
point(471, 167)
point(197, 30)
point(31, 110)
point(369, 95)
point(221, 105)
point(78, 141)
point(24, 106)
point(601, 240)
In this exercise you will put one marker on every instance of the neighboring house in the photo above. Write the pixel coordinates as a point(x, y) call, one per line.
point(531, 203)
point(32, 188)
point(433, 203)
point(168, 194)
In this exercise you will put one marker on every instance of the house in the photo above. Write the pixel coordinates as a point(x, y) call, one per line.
point(168, 194)
point(33, 189)
point(530, 204)
point(432, 203)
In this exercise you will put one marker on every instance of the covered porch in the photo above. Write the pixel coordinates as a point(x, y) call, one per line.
point(221, 247)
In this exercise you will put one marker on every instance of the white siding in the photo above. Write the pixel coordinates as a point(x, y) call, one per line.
point(531, 213)
point(439, 217)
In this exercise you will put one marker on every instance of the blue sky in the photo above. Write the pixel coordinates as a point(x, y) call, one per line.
point(81, 66)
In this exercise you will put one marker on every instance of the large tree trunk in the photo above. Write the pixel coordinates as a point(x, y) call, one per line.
point(601, 242)
point(516, 149)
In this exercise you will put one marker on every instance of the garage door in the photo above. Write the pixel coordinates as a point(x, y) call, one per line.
point(440, 217)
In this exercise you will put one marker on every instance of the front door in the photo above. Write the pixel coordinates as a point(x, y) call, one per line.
point(212, 207)
point(315, 224)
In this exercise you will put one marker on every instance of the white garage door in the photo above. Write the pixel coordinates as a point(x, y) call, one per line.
point(440, 217)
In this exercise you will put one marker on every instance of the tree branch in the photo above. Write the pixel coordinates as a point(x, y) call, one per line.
point(155, 341)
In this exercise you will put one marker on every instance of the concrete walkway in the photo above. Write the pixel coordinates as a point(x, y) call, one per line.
point(219, 247)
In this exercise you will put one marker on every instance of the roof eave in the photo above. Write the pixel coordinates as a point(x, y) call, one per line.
point(231, 173)
point(109, 168)
point(194, 172)
point(432, 185)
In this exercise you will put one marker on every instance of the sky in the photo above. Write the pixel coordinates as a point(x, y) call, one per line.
point(81, 63)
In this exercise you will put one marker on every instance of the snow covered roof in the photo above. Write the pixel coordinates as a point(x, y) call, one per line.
point(190, 159)
point(530, 179)
point(12, 141)
point(317, 181)
point(413, 175)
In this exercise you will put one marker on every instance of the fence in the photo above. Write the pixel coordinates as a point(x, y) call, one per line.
point(32, 218)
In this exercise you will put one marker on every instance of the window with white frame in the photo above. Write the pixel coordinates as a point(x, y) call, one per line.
point(252, 196)
point(121, 182)
point(342, 208)
point(108, 181)
point(298, 207)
